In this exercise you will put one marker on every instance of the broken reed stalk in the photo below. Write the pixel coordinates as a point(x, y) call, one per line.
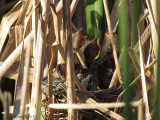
point(25, 80)
point(92, 105)
point(14, 55)
point(57, 24)
point(55, 21)
point(22, 15)
point(105, 2)
point(143, 81)
point(35, 99)
point(70, 79)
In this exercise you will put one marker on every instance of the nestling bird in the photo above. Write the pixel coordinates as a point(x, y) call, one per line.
point(58, 79)
point(78, 40)
point(91, 51)
point(107, 45)
point(89, 79)
point(105, 63)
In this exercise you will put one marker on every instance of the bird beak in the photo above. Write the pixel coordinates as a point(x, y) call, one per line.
point(79, 32)
point(114, 35)
point(106, 34)
point(94, 41)
point(83, 39)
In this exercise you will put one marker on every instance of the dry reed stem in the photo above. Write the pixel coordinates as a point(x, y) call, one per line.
point(59, 6)
point(57, 18)
point(81, 58)
point(6, 23)
point(57, 33)
point(25, 81)
point(6, 103)
point(89, 100)
point(143, 81)
point(92, 105)
point(60, 49)
point(35, 29)
point(155, 29)
point(11, 108)
point(50, 70)
point(70, 79)
point(35, 26)
point(114, 16)
point(55, 21)
point(14, 55)
point(105, 2)
point(141, 111)
point(152, 11)
point(23, 12)
point(115, 75)
point(146, 34)
point(135, 81)
point(19, 82)
point(73, 6)
point(12, 73)
point(40, 62)
point(34, 46)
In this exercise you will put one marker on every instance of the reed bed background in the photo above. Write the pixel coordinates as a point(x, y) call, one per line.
point(36, 35)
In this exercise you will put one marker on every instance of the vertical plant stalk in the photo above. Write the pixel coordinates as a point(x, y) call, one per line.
point(57, 33)
point(19, 82)
point(143, 82)
point(73, 7)
point(35, 99)
point(155, 29)
point(70, 79)
point(141, 111)
point(25, 81)
point(113, 40)
point(124, 43)
point(34, 27)
point(6, 103)
point(53, 60)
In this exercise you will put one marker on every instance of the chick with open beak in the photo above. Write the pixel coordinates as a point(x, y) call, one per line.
point(78, 40)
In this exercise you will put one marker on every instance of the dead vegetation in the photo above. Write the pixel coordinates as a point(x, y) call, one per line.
point(37, 36)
